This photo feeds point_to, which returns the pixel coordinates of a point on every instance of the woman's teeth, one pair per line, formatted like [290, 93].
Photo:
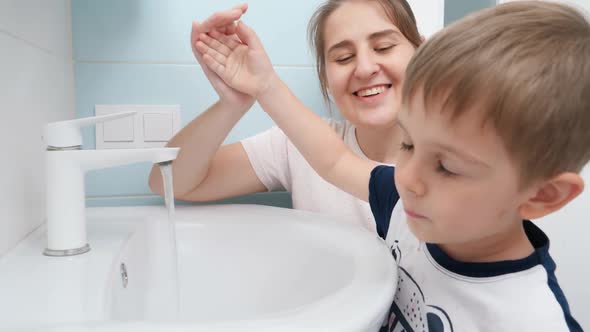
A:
[371, 92]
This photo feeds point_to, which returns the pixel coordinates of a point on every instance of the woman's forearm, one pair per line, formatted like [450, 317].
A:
[198, 143]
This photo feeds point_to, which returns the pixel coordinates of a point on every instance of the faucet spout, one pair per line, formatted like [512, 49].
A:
[66, 164]
[97, 159]
[66, 217]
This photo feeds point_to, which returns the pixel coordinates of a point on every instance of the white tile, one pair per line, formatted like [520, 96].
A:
[35, 88]
[46, 24]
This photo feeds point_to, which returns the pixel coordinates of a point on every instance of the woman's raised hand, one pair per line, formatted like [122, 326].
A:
[223, 23]
[242, 63]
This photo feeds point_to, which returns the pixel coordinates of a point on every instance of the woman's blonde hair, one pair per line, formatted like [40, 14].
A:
[399, 12]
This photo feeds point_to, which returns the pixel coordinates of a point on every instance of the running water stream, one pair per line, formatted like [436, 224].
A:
[166, 300]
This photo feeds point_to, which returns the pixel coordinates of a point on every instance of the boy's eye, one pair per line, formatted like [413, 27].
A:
[443, 170]
[406, 147]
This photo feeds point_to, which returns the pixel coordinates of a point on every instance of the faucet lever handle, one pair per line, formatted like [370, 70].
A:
[63, 134]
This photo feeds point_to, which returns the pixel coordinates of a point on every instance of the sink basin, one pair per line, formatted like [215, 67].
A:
[246, 267]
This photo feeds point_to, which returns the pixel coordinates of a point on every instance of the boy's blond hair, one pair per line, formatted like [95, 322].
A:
[525, 66]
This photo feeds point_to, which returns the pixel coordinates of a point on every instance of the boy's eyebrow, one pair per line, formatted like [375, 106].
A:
[465, 156]
[374, 35]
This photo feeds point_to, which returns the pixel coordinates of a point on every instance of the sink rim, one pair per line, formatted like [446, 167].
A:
[135, 213]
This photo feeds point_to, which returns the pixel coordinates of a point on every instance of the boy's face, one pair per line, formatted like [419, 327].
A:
[456, 180]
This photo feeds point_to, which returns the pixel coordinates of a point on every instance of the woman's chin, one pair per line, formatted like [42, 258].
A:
[376, 118]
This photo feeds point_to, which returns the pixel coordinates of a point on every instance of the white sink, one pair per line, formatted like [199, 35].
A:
[240, 267]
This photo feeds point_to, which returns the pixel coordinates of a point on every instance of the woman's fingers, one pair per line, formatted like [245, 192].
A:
[228, 41]
[230, 29]
[195, 32]
[206, 50]
[214, 44]
[224, 19]
[243, 7]
[214, 66]
[248, 36]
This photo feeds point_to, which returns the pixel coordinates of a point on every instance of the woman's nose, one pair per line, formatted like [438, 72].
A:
[366, 65]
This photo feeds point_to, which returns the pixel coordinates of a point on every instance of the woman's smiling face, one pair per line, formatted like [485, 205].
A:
[366, 58]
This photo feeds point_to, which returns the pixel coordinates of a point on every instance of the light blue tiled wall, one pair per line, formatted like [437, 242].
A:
[138, 52]
[455, 9]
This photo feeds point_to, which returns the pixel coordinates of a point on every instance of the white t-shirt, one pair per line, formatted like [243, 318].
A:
[280, 166]
[436, 293]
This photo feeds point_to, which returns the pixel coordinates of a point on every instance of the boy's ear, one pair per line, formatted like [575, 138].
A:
[552, 195]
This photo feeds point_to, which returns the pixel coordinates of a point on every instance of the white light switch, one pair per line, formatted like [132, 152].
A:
[120, 130]
[158, 127]
[152, 126]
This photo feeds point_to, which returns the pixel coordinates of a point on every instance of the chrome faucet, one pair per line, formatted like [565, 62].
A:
[66, 164]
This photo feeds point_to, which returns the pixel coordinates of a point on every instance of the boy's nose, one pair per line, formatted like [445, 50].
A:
[408, 179]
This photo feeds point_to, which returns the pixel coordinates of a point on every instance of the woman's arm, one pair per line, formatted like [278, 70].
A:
[204, 170]
[244, 65]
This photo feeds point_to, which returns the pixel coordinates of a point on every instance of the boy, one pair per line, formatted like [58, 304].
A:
[495, 128]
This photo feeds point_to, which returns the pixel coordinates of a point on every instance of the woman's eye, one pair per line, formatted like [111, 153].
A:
[406, 147]
[344, 59]
[384, 48]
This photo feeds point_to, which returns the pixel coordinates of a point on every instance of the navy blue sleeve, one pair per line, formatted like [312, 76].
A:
[383, 196]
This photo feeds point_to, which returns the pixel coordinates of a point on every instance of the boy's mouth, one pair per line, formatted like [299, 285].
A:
[372, 91]
[413, 214]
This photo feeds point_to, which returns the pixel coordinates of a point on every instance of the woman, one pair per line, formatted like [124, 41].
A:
[362, 49]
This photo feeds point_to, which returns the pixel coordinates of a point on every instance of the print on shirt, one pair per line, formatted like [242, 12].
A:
[409, 311]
